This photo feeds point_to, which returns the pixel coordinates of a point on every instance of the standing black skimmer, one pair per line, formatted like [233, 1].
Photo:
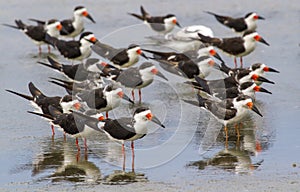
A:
[74, 50]
[74, 26]
[160, 24]
[235, 46]
[70, 123]
[75, 72]
[256, 68]
[41, 102]
[227, 111]
[38, 33]
[138, 77]
[125, 128]
[247, 88]
[103, 99]
[121, 57]
[241, 24]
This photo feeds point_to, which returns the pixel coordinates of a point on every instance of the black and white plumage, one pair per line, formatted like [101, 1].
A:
[37, 33]
[160, 24]
[70, 123]
[41, 102]
[74, 50]
[75, 25]
[103, 99]
[246, 88]
[256, 70]
[235, 46]
[125, 128]
[138, 77]
[241, 24]
[227, 111]
[121, 57]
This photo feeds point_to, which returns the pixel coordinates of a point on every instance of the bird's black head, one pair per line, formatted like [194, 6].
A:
[84, 34]
[146, 65]
[78, 7]
[131, 46]
[140, 109]
[51, 21]
[255, 66]
[170, 15]
[67, 98]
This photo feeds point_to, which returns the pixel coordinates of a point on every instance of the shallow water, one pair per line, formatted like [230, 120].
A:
[265, 158]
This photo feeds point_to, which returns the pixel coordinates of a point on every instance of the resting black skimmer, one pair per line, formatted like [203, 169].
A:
[103, 99]
[41, 102]
[37, 33]
[124, 128]
[228, 111]
[160, 24]
[75, 25]
[70, 123]
[241, 24]
[138, 77]
[74, 50]
[121, 57]
[235, 46]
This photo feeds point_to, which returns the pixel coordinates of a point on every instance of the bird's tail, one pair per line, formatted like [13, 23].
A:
[42, 115]
[35, 92]
[39, 22]
[53, 64]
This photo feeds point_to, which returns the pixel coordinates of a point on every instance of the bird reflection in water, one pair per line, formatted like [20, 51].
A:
[61, 162]
[237, 155]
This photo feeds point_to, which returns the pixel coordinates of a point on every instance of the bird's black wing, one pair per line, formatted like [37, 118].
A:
[130, 77]
[232, 46]
[121, 128]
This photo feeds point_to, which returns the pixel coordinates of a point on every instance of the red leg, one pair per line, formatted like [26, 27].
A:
[85, 145]
[49, 49]
[78, 156]
[106, 114]
[123, 153]
[235, 65]
[132, 151]
[53, 133]
[241, 61]
[132, 93]
[78, 148]
[140, 96]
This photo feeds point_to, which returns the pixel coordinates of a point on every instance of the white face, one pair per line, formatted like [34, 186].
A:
[251, 22]
[67, 106]
[53, 29]
[142, 116]
[170, 24]
[113, 97]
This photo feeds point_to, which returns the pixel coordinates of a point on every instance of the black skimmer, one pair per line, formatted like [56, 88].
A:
[183, 40]
[160, 24]
[121, 57]
[103, 99]
[228, 82]
[125, 128]
[38, 33]
[201, 66]
[241, 24]
[256, 68]
[74, 26]
[138, 77]
[235, 46]
[74, 50]
[41, 102]
[70, 123]
[227, 111]
[247, 88]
